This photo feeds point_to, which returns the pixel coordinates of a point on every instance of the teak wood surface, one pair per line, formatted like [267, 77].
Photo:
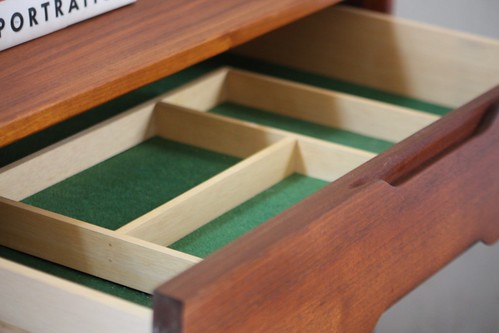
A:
[337, 260]
[57, 76]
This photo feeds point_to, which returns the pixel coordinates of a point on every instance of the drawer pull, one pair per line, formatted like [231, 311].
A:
[453, 131]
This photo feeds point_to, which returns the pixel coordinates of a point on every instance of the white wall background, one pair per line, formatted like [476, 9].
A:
[464, 297]
[474, 16]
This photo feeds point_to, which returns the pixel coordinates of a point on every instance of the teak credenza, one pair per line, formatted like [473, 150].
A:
[280, 110]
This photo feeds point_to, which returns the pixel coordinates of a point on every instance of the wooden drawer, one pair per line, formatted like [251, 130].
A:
[265, 274]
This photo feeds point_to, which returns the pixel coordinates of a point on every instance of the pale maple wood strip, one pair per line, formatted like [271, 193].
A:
[325, 107]
[321, 106]
[76, 153]
[88, 248]
[400, 56]
[325, 160]
[201, 94]
[37, 302]
[191, 210]
[317, 158]
[314, 157]
[208, 131]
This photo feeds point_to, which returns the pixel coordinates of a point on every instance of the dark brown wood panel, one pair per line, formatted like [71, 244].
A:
[384, 6]
[50, 79]
[337, 260]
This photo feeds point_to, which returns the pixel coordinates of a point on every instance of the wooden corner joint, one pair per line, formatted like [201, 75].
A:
[338, 259]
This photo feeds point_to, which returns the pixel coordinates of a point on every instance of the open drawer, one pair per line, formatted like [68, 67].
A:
[236, 141]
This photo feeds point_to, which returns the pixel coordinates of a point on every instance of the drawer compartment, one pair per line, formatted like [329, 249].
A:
[130, 187]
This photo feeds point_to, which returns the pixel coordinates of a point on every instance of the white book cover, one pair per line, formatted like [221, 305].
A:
[23, 20]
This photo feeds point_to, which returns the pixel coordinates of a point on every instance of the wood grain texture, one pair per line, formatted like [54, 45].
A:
[77, 153]
[174, 220]
[325, 160]
[363, 242]
[60, 75]
[88, 248]
[222, 135]
[301, 101]
[325, 107]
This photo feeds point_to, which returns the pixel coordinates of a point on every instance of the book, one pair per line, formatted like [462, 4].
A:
[24, 20]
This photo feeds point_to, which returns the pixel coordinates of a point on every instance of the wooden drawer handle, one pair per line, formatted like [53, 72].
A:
[367, 239]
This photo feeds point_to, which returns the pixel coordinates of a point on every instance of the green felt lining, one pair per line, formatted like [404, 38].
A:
[248, 215]
[301, 126]
[317, 80]
[132, 183]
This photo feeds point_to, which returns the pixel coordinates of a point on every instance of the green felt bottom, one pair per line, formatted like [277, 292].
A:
[248, 215]
[303, 127]
[132, 183]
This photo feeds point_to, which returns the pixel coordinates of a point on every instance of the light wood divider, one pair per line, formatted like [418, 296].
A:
[327, 161]
[67, 307]
[211, 132]
[321, 106]
[395, 55]
[191, 210]
[77, 153]
[201, 94]
[325, 107]
[88, 248]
